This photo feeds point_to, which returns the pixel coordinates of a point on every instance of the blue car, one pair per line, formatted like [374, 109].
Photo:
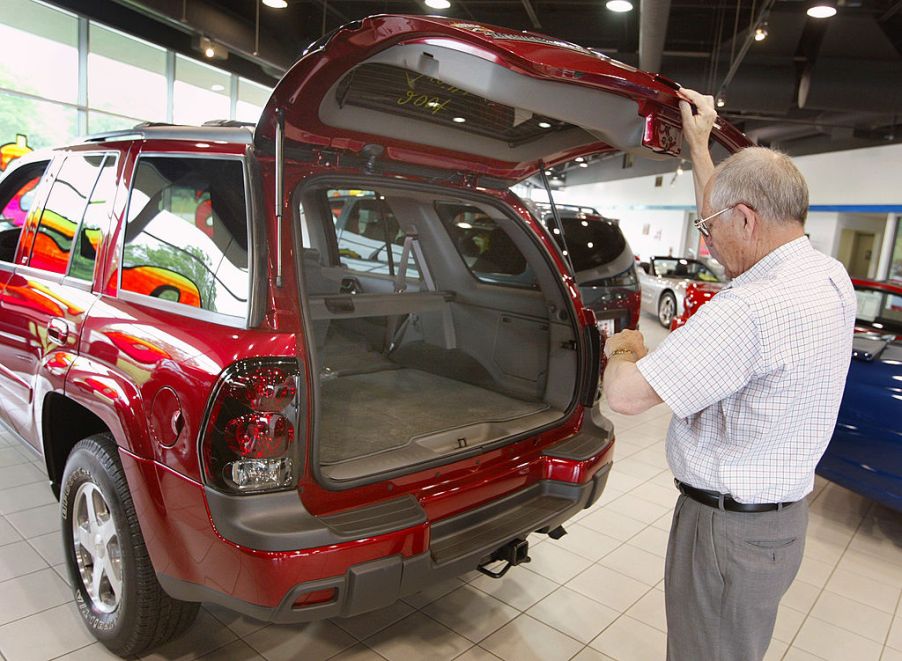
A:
[865, 453]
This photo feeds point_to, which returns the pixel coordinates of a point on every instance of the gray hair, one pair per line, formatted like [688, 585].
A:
[764, 179]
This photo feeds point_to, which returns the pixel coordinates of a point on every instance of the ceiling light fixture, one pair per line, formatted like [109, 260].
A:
[210, 49]
[583, 165]
[761, 32]
[822, 9]
[619, 6]
[437, 4]
[544, 125]
[276, 4]
[459, 120]
[216, 87]
[721, 101]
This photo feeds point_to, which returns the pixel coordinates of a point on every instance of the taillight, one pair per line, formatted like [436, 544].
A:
[250, 437]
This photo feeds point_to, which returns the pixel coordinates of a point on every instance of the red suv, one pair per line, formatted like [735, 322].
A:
[274, 370]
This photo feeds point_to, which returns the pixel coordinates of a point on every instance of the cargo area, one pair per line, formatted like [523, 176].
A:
[439, 326]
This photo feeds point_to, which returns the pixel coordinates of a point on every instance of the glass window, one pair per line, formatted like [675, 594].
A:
[591, 241]
[895, 267]
[101, 122]
[201, 92]
[880, 309]
[16, 197]
[684, 268]
[370, 240]
[488, 251]
[126, 75]
[186, 239]
[42, 123]
[95, 220]
[63, 212]
[251, 100]
[40, 45]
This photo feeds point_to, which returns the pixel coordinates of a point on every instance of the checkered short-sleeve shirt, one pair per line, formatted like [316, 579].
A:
[756, 376]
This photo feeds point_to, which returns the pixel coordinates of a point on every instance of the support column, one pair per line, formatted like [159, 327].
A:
[886, 250]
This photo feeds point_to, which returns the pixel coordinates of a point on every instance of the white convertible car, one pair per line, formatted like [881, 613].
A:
[663, 281]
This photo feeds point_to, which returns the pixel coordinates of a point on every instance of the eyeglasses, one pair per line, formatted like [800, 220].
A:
[701, 224]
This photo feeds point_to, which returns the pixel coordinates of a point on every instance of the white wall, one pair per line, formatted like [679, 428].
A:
[823, 230]
[854, 177]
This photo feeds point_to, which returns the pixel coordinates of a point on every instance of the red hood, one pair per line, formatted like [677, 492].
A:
[399, 82]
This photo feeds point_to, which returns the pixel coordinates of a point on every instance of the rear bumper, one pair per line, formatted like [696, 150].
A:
[459, 544]
[269, 558]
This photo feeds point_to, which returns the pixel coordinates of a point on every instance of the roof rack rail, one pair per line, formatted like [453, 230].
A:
[229, 123]
[238, 132]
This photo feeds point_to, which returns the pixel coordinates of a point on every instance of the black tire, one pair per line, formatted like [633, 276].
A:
[125, 608]
[666, 308]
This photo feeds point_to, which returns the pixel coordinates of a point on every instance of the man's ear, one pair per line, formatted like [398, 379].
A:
[750, 221]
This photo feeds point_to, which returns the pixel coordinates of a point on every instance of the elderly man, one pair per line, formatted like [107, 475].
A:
[755, 380]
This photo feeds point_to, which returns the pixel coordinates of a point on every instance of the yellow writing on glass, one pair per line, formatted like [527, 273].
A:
[427, 102]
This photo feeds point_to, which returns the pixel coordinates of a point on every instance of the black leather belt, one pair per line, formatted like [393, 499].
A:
[725, 501]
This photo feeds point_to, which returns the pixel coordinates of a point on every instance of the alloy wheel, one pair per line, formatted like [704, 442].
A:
[97, 550]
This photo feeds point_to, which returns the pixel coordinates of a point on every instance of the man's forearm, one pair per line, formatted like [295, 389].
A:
[626, 389]
[702, 171]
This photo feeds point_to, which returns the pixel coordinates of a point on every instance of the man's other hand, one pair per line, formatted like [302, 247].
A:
[697, 128]
[629, 340]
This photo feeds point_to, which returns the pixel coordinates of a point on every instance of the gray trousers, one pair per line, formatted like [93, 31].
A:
[724, 577]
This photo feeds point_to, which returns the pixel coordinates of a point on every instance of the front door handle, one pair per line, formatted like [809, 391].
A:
[58, 331]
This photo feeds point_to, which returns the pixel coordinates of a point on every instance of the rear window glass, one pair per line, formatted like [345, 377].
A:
[591, 241]
[63, 212]
[400, 91]
[187, 238]
[487, 250]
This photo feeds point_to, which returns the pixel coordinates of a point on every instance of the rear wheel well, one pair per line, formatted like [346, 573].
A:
[65, 423]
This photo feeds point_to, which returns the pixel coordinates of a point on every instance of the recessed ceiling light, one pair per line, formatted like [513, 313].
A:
[822, 9]
[761, 32]
[583, 165]
[619, 6]
[437, 4]
[459, 120]
[721, 102]
[544, 125]
[276, 4]
[209, 52]
[579, 159]
[217, 87]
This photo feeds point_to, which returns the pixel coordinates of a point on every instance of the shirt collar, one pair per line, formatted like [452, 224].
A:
[772, 260]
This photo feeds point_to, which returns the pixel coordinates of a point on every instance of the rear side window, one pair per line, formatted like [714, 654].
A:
[487, 250]
[370, 239]
[87, 240]
[63, 212]
[592, 242]
[16, 197]
[187, 238]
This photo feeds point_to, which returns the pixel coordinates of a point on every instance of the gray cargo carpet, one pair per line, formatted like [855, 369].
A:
[363, 414]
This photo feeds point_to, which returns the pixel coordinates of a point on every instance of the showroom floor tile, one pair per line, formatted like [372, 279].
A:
[594, 595]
